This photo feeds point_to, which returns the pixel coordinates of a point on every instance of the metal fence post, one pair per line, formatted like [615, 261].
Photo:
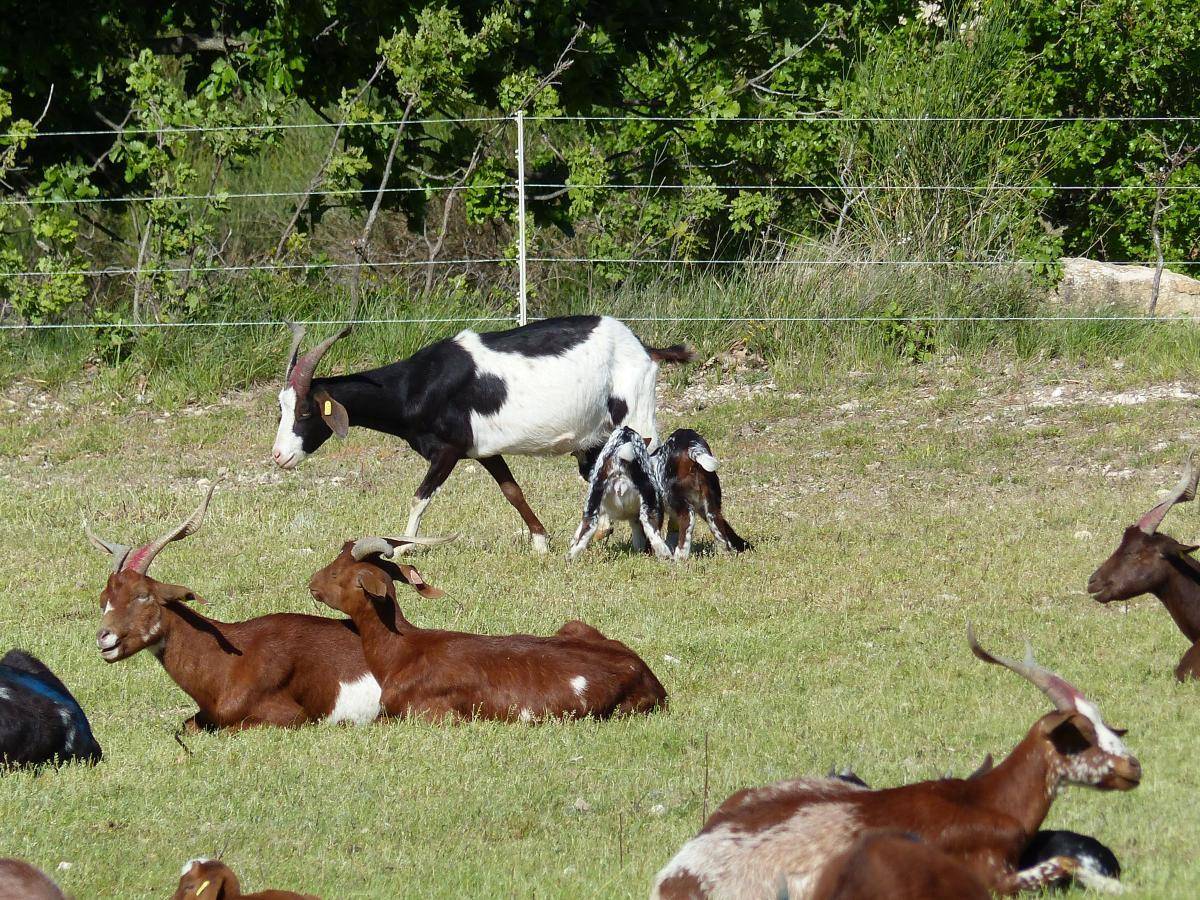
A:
[522, 310]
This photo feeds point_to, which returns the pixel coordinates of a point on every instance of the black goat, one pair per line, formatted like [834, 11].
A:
[40, 721]
[556, 386]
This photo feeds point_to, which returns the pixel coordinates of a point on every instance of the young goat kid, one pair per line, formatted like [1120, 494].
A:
[211, 879]
[279, 669]
[1147, 562]
[544, 389]
[678, 481]
[451, 674]
[793, 829]
[40, 721]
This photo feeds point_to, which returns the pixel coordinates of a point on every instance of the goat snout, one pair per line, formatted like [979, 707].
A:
[107, 642]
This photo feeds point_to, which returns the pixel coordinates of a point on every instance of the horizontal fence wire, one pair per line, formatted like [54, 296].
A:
[508, 185]
[148, 272]
[250, 195]
[803, 118]
[813, 320]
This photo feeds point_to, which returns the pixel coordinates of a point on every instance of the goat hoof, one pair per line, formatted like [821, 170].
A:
[541, 544]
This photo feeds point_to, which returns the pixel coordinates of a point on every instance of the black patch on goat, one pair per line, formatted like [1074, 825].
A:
[1092, 854]
[618, 409]
[419, 387]
[550, 337]
[40, 721]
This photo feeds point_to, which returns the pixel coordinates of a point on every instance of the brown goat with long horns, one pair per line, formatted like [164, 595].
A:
[1147, 562]
[452, 674]
[279, 669]
[790, 831]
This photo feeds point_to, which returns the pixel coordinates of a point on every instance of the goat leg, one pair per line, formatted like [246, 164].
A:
[1040, 876]
[583, 536]
[685, 522]
[499, 470]
[441, 464]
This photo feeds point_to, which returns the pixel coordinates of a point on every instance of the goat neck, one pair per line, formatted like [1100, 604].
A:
[1179, 592]
[1023, 786]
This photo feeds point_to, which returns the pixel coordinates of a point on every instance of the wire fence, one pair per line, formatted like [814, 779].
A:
[521, 188]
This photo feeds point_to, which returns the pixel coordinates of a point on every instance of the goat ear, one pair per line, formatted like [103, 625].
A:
[333, 413]
[165, 593]
[419, 584]
[1067, 736]
[375, 583]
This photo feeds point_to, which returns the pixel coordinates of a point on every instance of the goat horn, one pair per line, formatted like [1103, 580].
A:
[1184, 491]
[300, 372]
[118, 552]
[297, 339]
[1062, 693]
[385, 547]
[139, 560]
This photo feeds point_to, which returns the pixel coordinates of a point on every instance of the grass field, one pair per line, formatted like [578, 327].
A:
[888, 508]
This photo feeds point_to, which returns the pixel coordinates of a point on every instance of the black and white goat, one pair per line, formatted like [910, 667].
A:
[552, 387]
[676, 482]
[40, 721]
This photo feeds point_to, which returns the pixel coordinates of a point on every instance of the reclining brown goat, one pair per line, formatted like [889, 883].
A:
[211, 879]
[278, 669]
[1147, 562]
[792, 830]
[452, 674]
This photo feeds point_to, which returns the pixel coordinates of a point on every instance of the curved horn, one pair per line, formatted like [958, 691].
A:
[118, 552]
[387, 546]
[139, 560]
[1184, 491]
[1062, 693]
[300, 373]
[297, 338]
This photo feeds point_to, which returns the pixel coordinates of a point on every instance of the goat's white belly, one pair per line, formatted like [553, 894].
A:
[357, 701]
[621, 503]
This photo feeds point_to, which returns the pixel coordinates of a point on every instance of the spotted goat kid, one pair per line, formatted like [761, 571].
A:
[677, 483]
[279, 669]
[454, 675]
[787, 834]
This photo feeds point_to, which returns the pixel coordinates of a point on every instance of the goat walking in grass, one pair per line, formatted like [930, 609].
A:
[439, 674]
[1147, 562]
[792, 830]
[676, 483]
[552, 387]
[40, 721]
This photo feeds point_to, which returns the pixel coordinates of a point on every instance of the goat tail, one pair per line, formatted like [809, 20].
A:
[676, 353]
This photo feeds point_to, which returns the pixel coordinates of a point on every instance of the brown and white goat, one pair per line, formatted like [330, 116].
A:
[899, 866]
[21, 881]
[279, 669]
[451, 674]
[1147, 562]
[211, 879]
[791, 830]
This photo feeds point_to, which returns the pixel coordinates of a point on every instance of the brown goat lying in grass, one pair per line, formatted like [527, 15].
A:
[517, 677]
[792, 830]
[211, 879]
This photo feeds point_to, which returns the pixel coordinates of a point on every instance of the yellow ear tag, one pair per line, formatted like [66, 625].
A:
[329, 407]
[200, 890]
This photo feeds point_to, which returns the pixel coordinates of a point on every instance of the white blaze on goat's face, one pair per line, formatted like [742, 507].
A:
[288, 451]
[1106, 738]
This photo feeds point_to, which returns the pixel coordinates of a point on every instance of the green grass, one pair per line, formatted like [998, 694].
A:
[888, 506]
